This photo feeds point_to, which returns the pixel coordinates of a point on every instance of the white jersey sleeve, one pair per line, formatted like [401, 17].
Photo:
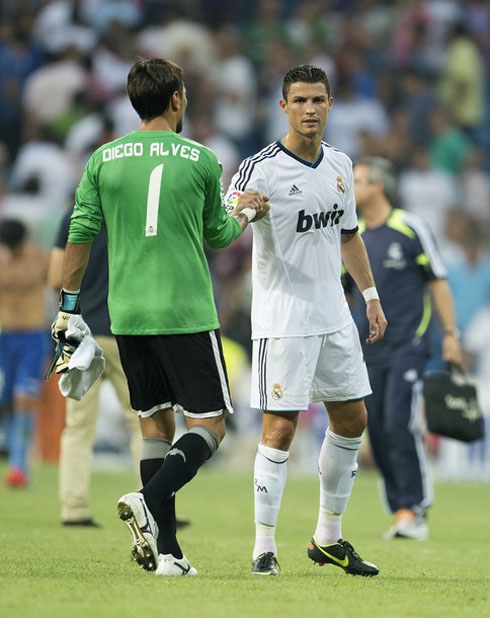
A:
[349, 220]
[248, 176]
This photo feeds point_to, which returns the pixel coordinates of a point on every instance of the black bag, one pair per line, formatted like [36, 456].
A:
[451, 405]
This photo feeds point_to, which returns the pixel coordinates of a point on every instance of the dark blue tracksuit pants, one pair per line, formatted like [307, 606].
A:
[395, 429]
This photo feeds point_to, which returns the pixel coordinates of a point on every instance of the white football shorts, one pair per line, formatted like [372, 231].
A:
[289, 373]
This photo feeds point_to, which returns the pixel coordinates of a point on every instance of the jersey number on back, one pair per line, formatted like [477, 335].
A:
[153, 201]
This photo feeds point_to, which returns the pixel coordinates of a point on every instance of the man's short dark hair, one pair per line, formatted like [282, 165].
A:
[12, 233]
[151, 84]
[304, 73]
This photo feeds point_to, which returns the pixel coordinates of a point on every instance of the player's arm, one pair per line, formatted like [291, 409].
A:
[247, 202]
[221, 229]
[430, 262]
[57, 255]
[444, 307]
[356, 262]
[74, 266]
[55, 268]
[251, 206]
[85, 223]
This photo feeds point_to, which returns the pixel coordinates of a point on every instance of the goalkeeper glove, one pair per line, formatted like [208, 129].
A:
[69, 305]
[61, 357]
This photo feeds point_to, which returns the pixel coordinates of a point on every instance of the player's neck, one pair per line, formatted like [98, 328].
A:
[304, 147]
[161, 123]
[18, 252]
[377, 213]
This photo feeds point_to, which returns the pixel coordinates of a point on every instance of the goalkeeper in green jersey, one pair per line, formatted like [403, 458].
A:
[160, 197]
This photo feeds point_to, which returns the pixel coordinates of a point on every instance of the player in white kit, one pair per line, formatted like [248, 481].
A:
[306, 347]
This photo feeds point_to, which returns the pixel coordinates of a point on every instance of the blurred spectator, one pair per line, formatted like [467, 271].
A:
[455, 228]
[60, 23]
[279, 59]
[112, 59]
[477, 21]
[18, 59]
[470, 280]
[450, 147]
[205, 132]
[427, 192]
[352, 114]
[50, 91]
[45, 159]
[267, 25]
[186, 42]
[477, 343]
[463, 82]
[236, 90]
[309, 26]
[418, 99]
[395, 145]
[476, 188]
[23, 342]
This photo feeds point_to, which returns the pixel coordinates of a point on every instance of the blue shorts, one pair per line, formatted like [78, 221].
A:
[23, 358]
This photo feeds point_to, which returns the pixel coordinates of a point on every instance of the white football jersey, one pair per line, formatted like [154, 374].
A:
[296, 261]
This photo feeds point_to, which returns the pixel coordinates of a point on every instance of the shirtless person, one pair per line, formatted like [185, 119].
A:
[23, 341]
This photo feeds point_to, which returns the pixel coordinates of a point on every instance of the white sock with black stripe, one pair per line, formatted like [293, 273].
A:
[337, 467]
[270, 473]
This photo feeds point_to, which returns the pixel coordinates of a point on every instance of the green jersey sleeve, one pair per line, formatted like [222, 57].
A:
[87, 214]
[219, 228]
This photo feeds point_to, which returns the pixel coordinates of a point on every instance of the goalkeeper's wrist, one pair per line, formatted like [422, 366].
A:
[69, 301]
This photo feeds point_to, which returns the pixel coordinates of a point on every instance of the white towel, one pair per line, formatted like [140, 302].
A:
[86, 364]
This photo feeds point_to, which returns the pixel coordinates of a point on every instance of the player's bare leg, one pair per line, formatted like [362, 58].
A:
[270, 473]
[337, 467]
[19, 436]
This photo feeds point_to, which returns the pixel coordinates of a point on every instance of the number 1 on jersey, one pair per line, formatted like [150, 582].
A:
[153, 201]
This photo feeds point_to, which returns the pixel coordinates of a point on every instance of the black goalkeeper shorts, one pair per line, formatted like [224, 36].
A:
[186, 372]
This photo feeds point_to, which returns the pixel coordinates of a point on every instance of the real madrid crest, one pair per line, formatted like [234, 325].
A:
[277, 391]
[340, 185]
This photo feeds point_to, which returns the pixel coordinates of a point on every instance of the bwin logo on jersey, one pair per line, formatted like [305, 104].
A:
[318, 219]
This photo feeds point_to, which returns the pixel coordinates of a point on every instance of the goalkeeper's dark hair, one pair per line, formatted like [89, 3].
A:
[12, 233]
[151, 84]
[304, 73]
[380, 170]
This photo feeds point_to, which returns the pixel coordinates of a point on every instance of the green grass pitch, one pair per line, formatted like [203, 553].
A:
[47, 571]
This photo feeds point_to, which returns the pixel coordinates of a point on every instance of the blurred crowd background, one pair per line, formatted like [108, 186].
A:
[409, 80]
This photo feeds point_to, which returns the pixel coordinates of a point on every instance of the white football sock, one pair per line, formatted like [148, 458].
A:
[337, 467]
[270, 474]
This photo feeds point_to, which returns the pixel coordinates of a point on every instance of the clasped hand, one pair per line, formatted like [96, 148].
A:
[65, 347]
[256, 201]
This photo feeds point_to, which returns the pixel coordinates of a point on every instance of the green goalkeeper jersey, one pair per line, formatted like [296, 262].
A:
[160, 195]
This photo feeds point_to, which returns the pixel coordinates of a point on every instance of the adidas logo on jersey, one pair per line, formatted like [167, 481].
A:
[294, 191]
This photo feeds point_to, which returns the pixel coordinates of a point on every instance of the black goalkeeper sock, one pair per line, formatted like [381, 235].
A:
[181, 465]
[165, 516]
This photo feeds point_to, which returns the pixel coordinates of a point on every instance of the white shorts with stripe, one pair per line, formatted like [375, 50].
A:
[289, 373]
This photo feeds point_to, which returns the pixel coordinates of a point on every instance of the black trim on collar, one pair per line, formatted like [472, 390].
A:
[303, 161]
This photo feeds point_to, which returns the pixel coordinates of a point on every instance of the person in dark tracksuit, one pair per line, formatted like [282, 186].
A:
[410, 278]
